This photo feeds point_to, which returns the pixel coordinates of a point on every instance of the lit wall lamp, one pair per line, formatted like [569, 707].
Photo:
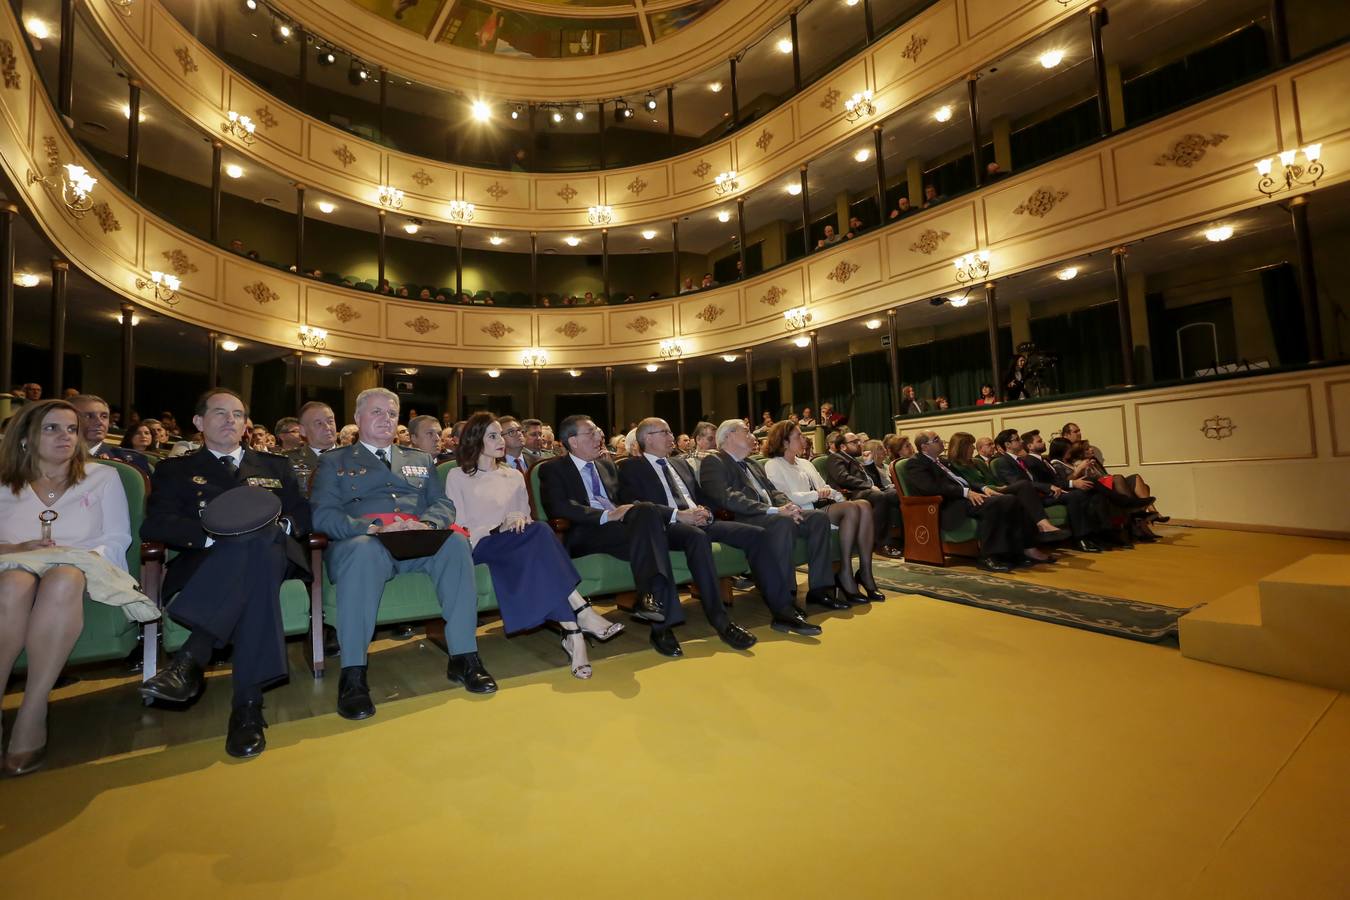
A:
[672, 348]
[1292, 172]
[390, 197]
[165, 287]
[461, 212]
[534, 358]
[76, 187]
[600, 215]
[796, 318]
[859, 106]
[312, 338]
[972, 267]
[238, 126]
[726, 183]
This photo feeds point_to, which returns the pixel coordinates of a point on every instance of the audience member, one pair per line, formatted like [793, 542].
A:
[987, 396]
[683, 444]
[1012, 465]
[533, 430]
[903, 208]
[931, 197]
[845, 472]
[687, 286]
[139, 438]
[93, 413]
[402, 437]
[941, 402]
[1134, 484]
[1014, 384]
[962, 460]
[829, 418]
[807, 420]
[765, 423]
[289, 435]
[425, 433]
[347, 435]
[994, 172]
[911, 405]
[855, 227]
[707, 282]
[830, 238]
[513, 439]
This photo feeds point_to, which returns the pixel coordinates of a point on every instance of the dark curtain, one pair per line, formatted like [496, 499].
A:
[1057, 135]
[835, 387]
[273, 392]
[1087, 342]
[1230, 61]
[871, 411]
[953, 368]
[1284, 308]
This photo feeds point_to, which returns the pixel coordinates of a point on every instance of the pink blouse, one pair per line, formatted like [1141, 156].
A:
[91, 515]
[484, 499]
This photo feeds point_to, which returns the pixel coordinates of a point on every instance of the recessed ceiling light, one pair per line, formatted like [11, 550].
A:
[234, 171]
[795, 188]
[802, 341]
[959, 302]
[784, 45]
[651, 367]
[723, 216]
[729, 357]
[135, 319]
[943, 114]
[1067, 274]
[229, 346]
[715, 87]
[37, 28]
[493, 373]
[481, 111]
[571, 241]
[863, 155]
[411, 227]
[126, 113]
[648, 234]
[27, 279]
[575, 373]
[873, 324]
[496, 240]
[1221, 233]
[325, 207]
[1051, 58]
[323, 361]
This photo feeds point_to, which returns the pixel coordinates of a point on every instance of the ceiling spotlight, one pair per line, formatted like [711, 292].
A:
[412, 226]
[579, 114]
[651, 367]
[729, 357]
[622, 110]
[135, 319]
[723, 216]
[1221, 233]
[795, 188]
[323, 362]
[850, 2]
[650, 102]
[326, 57]
[493, 373]
[27, 279]
[234, 171]
[959, 302]
[325, 207]
[250, 6]
[784, 45]
[1067, 274]
[556, 118]
[281, 32]
[802, 341]
[229, 346]
[496, 240]
[358, 74]
[571, 240]
[873, 324]
[863, 155]
[1051, 58]
[715, 87]
[943, 114]
[575, 373]
[516, 111]
[648, 234]
[37, 28]
[481, 111]
[126, 113]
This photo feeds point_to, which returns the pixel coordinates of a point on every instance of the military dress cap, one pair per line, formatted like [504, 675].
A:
[240, 512]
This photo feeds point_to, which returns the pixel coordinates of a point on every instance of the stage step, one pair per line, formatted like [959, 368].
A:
[1295, 623]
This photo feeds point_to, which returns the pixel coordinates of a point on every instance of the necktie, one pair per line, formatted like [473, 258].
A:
[1022, 465]
[754, 482]
[598, 498]
[670, 482]
[384, 458]
[952, 475]
[230, 468]
[520, 465]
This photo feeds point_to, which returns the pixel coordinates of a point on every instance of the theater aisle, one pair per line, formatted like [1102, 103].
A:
[919, 749]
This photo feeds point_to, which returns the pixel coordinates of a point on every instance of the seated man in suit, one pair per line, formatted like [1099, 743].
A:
[911, 405]
[846, 474]
[94, 426]
[1011, 466]
[668, 481]
[374, 477]
[229, 591]
[1097, 508]
[733, 482]
[1006, 532]
[583, 488]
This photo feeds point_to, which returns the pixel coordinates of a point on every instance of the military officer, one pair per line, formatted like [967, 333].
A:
[227, 592]
[94, 426]
[374, 476]
[318, 427]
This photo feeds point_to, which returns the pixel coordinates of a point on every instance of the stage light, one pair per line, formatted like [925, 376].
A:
[1051, 58]
[496, 240]
[715, 87]
[723, 216]
[281, 32]
[515, 112]
[1067, 274]
[1221, 233]
[863, 155]
[481, 111]
[580, 114]
[873, 324]
[622, 110]
[650, 102]
[229, 346]
[358, 74]
[250, 6]
[325, 57]
[556, 118]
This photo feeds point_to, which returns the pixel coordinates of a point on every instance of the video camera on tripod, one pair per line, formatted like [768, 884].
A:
[1039, 373]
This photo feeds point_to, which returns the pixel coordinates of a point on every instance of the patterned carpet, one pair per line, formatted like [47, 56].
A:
[1131, 619]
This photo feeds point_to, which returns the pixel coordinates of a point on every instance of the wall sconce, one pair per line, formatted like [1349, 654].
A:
[76, 187]
[461, 212]
[671, 348]
[600, 215]
[165, 287]
[726, 183]
[972, 267]
[240, 127]
[859, 106]
[312, 338]
[323, 362]
[390, 197]
[1292, 173]
[534, 358]
[796, 318]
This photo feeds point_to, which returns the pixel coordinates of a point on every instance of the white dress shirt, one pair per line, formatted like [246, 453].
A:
[689, 503]
[798, 479]
[581, 465]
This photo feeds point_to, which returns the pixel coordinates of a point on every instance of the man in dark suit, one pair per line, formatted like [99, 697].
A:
[94, 426]
[667, 481]
[846, 474]
[1012, 466]
[910, 405]
[733, 482]
[227, 591]
[1006, 533]
[583, 488]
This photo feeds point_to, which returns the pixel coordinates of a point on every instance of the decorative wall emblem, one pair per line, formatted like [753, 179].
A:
[922, 536]
[567, 194]
[702, 169]
[637, 186]
[1040, 203]
[264, 117]
[1216, 428]
[343, 313]
[53, 151]
[497, 330]
[929, 241]
[345, 156]
[261, 293]
[915, 46]
[570, 329]
[710, 313]
[843, 272]
[422, 177]
[9, 66]
[179, 262]
[830, 99]
[421, 325]
[641, 324]
[765, 139]
[773, 296]
[107, 222]
[185, 60]
[497, 191]
[1190, 150]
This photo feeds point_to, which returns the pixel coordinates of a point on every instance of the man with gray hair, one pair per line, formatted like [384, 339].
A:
[93, 412]
[373, 487]
[734, 482]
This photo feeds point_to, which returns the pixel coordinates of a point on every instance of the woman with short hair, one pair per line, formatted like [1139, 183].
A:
[140, 438]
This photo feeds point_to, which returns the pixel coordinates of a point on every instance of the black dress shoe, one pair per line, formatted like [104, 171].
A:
[1053, 537]
[402, 632]
[354, 694]
[467, 669]
[178, 682]
[793, 621]
[245, 738]
[872, 594]
[736, 637]
[989, 564]
[1087, 546]
[825, 597]
[647, 609]
[331, 647]
[888, 551]
[665, 643]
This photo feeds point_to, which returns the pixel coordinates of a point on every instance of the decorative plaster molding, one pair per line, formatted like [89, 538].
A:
[421, 325]
[710, 313]
[185, 60]
[570, 329]
[1190, 150]
[261, 293]
[843, 272]
[9, 66]
[497, 330]
[343, 312]
[642, 324]
[1041, 202]
[915, 46]
[929, 241]
[179, 262]
[773, 296]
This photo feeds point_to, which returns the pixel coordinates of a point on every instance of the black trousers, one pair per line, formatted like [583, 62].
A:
[640, 540]
[1087, 511]
[234, 596]
[1003, 526]
[765, 544]
[696, 544]
[814, 528]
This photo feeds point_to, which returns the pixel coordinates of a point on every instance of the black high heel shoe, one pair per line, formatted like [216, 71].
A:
[613, 629]
[871, 593]
[582, 671]
[849, 596]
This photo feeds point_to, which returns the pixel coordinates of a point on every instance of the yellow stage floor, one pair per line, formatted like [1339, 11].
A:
[918, 749]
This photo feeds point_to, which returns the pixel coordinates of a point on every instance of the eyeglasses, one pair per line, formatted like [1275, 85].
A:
[511, 431]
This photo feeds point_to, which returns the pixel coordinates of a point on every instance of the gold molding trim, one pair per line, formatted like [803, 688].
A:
[107, 222]
[9, 67]
[642, 324]
[570, 329]
[421, 325]
[915, 46]
[929, 241]
[1041, 202]
[843, 272]
[773, 296]
[710, 313]
[343, 312]
[185, 60]
[1190, 150]
[261, 293]
[179, 262]
[496, 330]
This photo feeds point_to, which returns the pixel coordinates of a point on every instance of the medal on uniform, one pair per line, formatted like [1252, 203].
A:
[47, 517]
[199, 479]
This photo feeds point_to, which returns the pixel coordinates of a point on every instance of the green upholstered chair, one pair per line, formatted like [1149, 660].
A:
[822, 466]
[925, 539]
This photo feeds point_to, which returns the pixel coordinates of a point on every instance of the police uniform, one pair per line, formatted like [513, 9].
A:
[104, 450]
[229, 590]
[352, 483]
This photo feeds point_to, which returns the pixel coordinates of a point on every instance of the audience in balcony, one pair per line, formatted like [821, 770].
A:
[902, 208]
[855, 228]
[931, 197]
[687, 286]
[910, 404]
[1014, 383]
[987, 396]
[830, 238]
[940, 402]
[806, 420]
[829, 418]
[994, 172]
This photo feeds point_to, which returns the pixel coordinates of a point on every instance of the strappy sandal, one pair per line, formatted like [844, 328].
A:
[613, 629]
[582, 671]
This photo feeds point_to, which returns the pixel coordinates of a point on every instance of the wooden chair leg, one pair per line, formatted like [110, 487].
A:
[725, 585]
[626, 600]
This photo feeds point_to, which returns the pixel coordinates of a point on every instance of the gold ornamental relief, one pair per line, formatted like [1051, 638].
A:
[843, 272]
[570, 329]
[773, 296]
[344, 155]
[107, 222]
[422, 177]
[929, 241]
[765, 139]
[1041, 202]
[1190, 150]
[710, 313]
[53, 151]
[421, 325]
[637, 186]
[642, 324]
[185, 60]
[915, 46]
[179, 262]
[497, 191]
[266, 118]
[9, 67]
[702, 169]
[1216, 428]
[261, 293]
[343, 313]
[497, 330]
[567, 194]
[831, 99]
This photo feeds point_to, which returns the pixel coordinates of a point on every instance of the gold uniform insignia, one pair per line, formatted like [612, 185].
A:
[199, 479]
